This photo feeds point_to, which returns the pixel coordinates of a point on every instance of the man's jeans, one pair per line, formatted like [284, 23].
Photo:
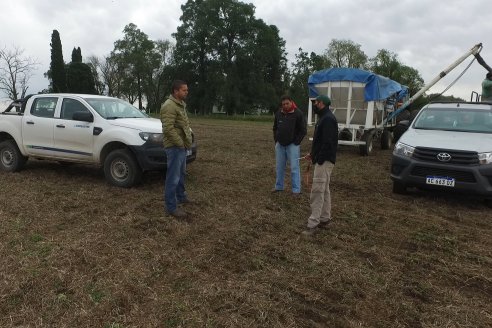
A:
[174, 186]
[283, 154]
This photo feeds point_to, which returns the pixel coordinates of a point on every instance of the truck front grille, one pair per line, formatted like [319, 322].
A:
[462, 176]
[457, 157]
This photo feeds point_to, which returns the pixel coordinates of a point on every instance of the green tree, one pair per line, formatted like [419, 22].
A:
[387, 64]
[305, 65]
[79, 75]
[229, 58]
[345, 53]
[157, 83]
[80, 79]
[135, 57]
[76, 55]
[57, 74]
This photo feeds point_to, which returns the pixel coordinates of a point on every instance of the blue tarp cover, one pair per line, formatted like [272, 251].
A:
[377, 87]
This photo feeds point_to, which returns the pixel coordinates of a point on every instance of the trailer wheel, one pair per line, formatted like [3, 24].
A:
[399, 188]
[121, 169]
[11, 159]
[398, 131]
[368, 137]
[386, 139]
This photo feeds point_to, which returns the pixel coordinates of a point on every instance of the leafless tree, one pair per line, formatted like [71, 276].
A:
[108, 75]
[95, 64]
[15, 72]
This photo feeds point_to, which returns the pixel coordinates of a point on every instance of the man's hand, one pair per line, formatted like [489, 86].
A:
[308, 157]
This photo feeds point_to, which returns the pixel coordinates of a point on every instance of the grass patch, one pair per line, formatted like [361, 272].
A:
[83, 253]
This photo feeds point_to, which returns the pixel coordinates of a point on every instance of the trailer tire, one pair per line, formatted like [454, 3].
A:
[386, 139]
[398, 131]
[121, 169]
[11, 159]
[368, 137]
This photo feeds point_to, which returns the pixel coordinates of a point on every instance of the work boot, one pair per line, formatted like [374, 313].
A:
[187, 201]
[179, 214]
[310, 231]
[324, 224]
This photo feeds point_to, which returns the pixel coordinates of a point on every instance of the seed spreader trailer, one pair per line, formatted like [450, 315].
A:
[361, 101]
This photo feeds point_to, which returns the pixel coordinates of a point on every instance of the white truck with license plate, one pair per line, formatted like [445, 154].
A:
[87, 129]
[447, 147]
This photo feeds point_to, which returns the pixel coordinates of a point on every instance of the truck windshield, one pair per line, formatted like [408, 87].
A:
[452, 119]
[112, 108]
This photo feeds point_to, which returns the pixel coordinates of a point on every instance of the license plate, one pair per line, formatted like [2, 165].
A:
[188, 152]
[440, 181]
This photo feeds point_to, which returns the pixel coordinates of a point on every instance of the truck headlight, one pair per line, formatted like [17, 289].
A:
[403, 150]
[485, 158]
[151, 137]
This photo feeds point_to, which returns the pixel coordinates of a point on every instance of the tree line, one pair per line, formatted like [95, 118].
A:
[232, 61]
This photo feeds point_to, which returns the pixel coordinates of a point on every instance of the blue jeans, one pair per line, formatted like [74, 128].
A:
[174, 188]
[290, 153]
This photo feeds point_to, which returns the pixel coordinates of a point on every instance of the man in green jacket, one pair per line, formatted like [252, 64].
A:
[177, 140]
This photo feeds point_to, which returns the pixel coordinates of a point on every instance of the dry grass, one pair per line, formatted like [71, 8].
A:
[77, 252]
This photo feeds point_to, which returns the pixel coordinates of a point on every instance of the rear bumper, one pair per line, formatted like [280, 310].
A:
[152, 157]
[476, 179]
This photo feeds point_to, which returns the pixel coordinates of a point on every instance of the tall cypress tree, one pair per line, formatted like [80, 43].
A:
[76, 55]
[79, 75]
[57, 67]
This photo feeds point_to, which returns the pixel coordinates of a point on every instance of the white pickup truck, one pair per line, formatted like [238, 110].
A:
[88, 129]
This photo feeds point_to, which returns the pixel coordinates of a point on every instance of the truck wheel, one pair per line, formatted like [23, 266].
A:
[11, 159]
[386, 139]
[121, 169]
[399, 188]
[366, 149]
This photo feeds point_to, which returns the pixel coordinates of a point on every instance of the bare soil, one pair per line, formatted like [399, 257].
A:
[75, 251]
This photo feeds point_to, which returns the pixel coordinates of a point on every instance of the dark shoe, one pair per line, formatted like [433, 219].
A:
[310, 231]
[276, 190]
[324, 224]
[296, 194]
[179, 214]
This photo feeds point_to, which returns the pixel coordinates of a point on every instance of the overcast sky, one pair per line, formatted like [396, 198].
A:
[426, 35]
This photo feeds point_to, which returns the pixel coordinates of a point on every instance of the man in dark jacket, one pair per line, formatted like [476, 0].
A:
[289, 129]
[323, 155]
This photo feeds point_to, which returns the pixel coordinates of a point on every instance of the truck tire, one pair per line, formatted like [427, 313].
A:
[11, 159]
[399, 188]
[386, 139]
[121, 169]
[368, 137]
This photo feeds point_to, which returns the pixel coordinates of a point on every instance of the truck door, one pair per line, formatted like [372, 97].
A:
[73, 139]
[37, 127]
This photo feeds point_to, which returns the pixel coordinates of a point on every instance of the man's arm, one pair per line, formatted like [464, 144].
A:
[301, 128]
[275, 126]
[168, 119]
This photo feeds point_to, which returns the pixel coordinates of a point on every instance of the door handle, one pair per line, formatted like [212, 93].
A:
[29, 122]
[60, 126]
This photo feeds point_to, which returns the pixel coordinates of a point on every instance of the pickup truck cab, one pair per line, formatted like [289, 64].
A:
[447, 147]
[88, 129]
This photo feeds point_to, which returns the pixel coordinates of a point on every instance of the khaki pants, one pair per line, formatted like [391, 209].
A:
[320, 194]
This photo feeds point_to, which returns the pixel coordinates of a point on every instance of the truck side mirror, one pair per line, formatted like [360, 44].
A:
[83, 116]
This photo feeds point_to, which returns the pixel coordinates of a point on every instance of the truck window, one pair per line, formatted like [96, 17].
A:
[69, 107]
[44, 107]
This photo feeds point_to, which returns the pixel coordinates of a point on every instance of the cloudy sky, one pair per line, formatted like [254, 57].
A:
[426, 35]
